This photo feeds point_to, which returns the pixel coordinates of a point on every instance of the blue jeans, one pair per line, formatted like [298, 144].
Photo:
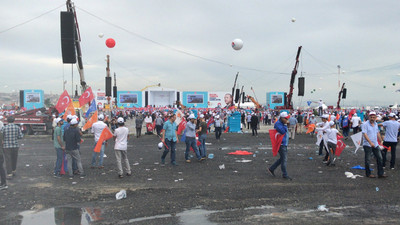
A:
[101, 153]
[379, 161]
[191, 142]
[59, 160]
[171, 147]
[281, 161]
[202, 139]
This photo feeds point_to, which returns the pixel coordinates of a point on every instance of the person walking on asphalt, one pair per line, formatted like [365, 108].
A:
[371, 134]
[72, 138]
[218, 126]
[138, 125]
[11, 134]
[3, 184]
[170, 138]
[121, 136]
[190, 140]
[281, 127]
[254, 123]
[202, 136]
[390, 140]
[97, 128]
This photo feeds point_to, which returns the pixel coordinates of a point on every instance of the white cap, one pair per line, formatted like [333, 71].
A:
[372, 113]
[331, 123]
[58, 120]
[392, 115]
[191, 116]
[120, 120]
[217, 116]
[201, 115]
[100, 117]
[284, 115]
[69, 117]
[325, 116]
[74, 121]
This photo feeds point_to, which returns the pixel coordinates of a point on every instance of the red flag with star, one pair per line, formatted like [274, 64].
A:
[86, 97]
[276, 141]
[63, 101]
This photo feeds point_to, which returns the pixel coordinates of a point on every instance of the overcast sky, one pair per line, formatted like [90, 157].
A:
[186, 45]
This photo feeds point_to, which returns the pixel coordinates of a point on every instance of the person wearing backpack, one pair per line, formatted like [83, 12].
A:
[345, 126]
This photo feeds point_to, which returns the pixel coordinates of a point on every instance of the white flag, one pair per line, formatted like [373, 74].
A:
[319, 137]
[325, 139]
[179, 116]
[356, 138]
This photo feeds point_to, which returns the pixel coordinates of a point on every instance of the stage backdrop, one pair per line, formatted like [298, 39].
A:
[129, 99]
[193, 99]
[275, 99]
[33, 99]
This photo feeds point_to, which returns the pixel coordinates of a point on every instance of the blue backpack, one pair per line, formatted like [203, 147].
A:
[345, 122]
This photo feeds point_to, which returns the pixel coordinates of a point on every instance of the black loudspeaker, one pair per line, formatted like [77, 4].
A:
[243, 94]
[68, 37]
[115, 91]
[108, 86]
[344, 93]
[237, 95]
[177, 96]
[21, 98]
[284, 99]
[301, 86]
[146, 98]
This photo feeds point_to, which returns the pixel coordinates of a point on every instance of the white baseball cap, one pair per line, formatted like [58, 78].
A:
[372, 113]
[191, 116]
[69, 117]
[392, 115]
[120, 120]
[58, 120]
[74, 121]
[201, 115]
[100, 117]
[284, 115]
[331, 123]
[325, 116]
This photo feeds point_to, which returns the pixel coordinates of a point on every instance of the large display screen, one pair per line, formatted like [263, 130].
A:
[195, 99]
[128, 98]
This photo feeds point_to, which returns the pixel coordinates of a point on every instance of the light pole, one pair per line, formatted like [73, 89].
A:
[338, 66]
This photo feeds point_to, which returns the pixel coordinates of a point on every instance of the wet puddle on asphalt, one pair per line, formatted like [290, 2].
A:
[57, 215]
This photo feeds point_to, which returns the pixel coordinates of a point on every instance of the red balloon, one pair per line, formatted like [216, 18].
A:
[110, 43]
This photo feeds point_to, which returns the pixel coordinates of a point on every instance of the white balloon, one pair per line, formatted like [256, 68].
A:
[237, 44]
[160, 145]
[293, 19]
[101, 35]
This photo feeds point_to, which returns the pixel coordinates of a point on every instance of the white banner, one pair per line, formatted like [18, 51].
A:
[319, 137]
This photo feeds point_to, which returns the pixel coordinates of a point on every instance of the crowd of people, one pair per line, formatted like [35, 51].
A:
[196, 124]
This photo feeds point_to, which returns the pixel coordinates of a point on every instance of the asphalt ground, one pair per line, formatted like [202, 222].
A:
[200, 192]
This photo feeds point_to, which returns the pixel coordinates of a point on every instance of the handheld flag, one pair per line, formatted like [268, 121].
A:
[104, 136]
[92, 108]
[86, 97]
[319, 137]
[310, 128]
[226, 130]
[90, 122]
[276, 141]
[339, 147]
[356, 138]
[181, 126]
[210, 121]
[69, 111]
[63, 101]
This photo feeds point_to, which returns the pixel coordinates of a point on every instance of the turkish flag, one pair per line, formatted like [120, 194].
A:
[339, 147]
[90, 122]
[86, 97]
[226, 130]
[104, 136]
[182, 126]
[63, 101]
[276, 141]
[352, 112]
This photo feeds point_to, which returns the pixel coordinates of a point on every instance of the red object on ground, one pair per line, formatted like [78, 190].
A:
[238, 152]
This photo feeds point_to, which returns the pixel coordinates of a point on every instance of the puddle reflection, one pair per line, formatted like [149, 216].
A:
[57, 216]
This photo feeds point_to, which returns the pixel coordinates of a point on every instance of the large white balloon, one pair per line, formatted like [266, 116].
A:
[101, 35]
[237, 44]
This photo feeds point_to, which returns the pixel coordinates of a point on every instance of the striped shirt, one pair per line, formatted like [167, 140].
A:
[11, 134]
